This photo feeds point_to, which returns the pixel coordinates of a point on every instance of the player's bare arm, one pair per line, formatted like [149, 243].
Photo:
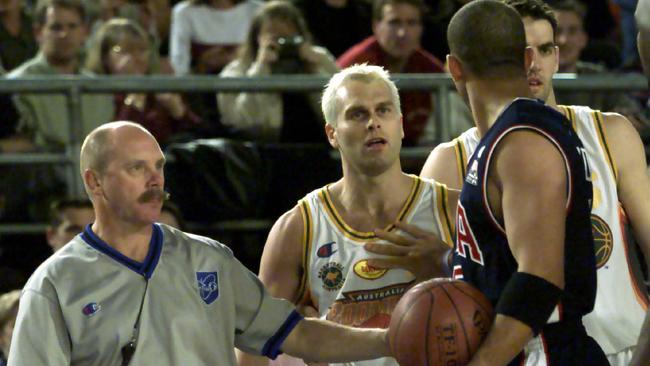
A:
[442, 167]
[632, 183]
[325, 341]
[280, 267]
[281, 264]
[527, 188]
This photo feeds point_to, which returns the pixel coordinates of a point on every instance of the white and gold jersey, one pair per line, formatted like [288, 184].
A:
[338, 279]
[621, 301]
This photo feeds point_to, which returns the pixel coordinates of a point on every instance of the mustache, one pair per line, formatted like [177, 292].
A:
[154, 194]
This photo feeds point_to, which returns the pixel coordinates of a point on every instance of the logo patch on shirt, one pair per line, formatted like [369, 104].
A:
[363, 270]
[208, 283]
[91, 309]
[472, 175]
[326, 250]
[332, 276]
[603, 240]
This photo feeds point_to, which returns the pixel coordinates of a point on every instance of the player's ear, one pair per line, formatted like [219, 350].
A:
[529, 55]
[455, 68]
[330, 131]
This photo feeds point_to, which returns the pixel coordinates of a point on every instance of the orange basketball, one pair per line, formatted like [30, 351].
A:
[439, 322]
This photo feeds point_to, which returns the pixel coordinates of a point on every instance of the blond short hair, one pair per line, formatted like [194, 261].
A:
[330, 103]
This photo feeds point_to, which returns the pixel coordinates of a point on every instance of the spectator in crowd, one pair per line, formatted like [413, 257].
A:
[571, 38]
[325, 17]
[642, 17]
[17, 43]
[395, 45]
[45, 119]
[629, 55]
[122, 47]
[153, 15]
[8, 312]
[205, 34]
[278, 43]
[68, 217]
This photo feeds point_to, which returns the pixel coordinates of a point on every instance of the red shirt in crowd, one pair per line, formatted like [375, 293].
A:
[416, 106]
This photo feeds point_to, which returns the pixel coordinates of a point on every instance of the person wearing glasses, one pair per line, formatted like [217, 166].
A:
[122, 47]
[131, 291]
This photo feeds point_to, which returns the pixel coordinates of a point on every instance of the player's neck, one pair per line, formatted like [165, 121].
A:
[128, 239]
[373, 195]
[488, 98]
[550, 101]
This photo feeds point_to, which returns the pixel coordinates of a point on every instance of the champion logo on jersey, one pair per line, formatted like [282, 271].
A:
[208, 283]
[91, 309]
[472, 176]
[326, 250]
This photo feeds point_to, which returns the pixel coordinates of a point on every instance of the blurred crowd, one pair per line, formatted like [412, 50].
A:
[241, 38]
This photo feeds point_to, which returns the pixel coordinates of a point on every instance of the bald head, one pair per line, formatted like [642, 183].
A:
[488, 37]
[97, 148]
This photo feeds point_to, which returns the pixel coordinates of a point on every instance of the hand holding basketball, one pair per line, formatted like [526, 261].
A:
[439, 322]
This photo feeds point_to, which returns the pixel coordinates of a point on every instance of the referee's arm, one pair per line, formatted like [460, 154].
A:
[40, 336]
[324, 341]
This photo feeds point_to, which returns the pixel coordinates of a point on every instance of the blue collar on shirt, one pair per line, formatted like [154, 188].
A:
[145, 268]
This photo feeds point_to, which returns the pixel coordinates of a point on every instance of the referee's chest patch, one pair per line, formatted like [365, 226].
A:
[208, 284]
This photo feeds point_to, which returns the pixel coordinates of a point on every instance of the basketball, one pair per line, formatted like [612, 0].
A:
[439, 322]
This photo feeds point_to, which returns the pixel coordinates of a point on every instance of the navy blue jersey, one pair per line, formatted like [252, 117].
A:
[482, 255]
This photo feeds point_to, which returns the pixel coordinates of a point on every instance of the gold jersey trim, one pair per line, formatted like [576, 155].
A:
[598, 121]
[570, 114]
[443, 212]
[361, 236]
[307, 235]
[461, 159]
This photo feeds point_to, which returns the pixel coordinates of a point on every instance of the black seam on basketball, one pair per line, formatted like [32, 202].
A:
[399, 324]
[426, 338]
[476, 301]
[460, 320]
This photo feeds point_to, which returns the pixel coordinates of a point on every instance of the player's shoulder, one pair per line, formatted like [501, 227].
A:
[441, 164]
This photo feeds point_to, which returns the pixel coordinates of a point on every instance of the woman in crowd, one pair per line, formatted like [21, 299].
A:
[123, 48]
[206, 33]
[278, 43]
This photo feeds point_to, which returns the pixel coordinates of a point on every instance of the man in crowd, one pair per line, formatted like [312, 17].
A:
[395, 45]
[45, 119]
[68, 217]
[571, 38]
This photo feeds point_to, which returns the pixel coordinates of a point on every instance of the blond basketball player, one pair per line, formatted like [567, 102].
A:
[621, 191]
[315, 254]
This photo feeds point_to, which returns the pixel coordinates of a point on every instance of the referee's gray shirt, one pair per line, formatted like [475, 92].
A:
[80, 306]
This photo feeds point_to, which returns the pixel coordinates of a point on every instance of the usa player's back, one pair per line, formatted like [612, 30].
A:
[482, 255]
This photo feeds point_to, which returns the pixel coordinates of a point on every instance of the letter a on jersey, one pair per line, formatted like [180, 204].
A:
[208, 284]
[465, 240]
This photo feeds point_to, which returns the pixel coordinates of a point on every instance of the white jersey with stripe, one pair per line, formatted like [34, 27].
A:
[621, 301]
[338, 279]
